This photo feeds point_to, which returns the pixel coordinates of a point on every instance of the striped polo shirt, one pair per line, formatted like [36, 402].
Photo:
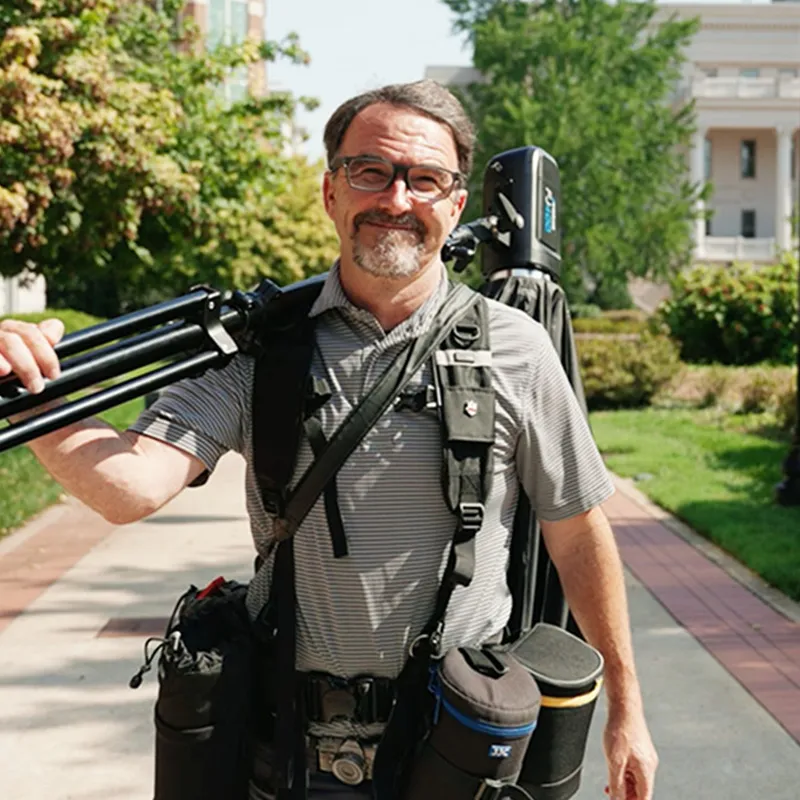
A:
[358, 614]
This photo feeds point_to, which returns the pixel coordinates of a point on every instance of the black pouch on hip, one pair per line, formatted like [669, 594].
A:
[203, 712]
[568, 672]
[485, 709]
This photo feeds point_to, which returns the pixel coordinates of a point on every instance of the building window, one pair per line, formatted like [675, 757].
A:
[793, 159]
[749, 72]
[708, 226]
[749, 223]
[748, 158]
[227, 25]
[707, 158]
[787, 72]
[227, 22]
[710, 72]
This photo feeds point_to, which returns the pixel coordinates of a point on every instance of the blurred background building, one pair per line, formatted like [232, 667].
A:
[743, 73]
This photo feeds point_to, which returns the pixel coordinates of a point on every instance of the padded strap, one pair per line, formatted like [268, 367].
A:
[364, 416]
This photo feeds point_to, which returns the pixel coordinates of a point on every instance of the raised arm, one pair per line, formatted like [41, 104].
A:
[120, 474]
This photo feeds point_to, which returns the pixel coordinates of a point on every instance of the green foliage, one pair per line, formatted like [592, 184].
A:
[590, 82]
[585, 311]
[73, 320]
[607, 325]
[618, 373]
[735, 315]
[123, 170]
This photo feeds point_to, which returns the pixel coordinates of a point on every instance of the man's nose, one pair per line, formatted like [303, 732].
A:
[397, 197]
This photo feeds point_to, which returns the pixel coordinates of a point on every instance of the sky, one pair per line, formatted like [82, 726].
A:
[357, 45]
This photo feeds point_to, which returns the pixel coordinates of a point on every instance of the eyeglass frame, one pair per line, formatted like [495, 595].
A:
[397, 169]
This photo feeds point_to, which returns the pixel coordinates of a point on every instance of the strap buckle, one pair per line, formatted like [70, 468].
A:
[470, 517]
[416, 400]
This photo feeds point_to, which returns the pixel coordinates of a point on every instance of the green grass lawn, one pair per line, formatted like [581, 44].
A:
[719, 479]
[25, 487]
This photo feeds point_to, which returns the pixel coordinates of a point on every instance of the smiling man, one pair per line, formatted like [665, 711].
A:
[398, 161]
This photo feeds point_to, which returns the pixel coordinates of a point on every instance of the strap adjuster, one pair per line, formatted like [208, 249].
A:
[470, 516]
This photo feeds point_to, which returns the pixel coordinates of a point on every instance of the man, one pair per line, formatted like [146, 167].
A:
[398, 158]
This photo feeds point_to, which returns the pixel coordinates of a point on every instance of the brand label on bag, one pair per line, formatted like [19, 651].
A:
[499, 750]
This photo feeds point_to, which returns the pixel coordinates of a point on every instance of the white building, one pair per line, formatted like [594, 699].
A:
[21, 294]
[743, 71]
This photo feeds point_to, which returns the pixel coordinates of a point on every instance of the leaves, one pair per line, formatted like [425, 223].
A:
[590, 82]
[124, 174]
[736, 314]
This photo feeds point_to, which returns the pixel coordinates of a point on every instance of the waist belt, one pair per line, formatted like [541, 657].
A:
[364, 699]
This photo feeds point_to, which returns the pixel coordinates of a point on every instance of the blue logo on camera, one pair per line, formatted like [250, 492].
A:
[499, 750]
[549, 211]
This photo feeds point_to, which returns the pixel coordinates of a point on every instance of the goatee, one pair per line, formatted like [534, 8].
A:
[397, 253]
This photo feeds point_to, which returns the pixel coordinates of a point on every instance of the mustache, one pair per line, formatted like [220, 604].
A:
[409, 220]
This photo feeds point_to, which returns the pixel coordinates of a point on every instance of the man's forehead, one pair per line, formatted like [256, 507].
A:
[399, 131]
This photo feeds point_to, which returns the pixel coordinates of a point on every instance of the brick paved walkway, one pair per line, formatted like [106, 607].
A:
[757, 645]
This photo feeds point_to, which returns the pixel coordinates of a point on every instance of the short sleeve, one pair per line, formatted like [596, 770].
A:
[204, 416]
[559, 465]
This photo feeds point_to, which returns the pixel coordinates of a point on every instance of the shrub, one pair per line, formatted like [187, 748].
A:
[605, 325]
[585, 311]
[759, 393]
[786, 407]
[620, 373]
[734, 315]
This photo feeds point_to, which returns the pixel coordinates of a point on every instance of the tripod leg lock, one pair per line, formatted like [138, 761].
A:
[210, 320]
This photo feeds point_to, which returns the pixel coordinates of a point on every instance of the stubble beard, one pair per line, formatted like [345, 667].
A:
[395, 254]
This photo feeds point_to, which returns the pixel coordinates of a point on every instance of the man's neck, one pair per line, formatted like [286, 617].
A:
[389, 300]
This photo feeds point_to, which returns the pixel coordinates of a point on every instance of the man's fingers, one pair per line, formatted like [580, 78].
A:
[53, 330]
[616, 781]
[22, 362]
[29, 352]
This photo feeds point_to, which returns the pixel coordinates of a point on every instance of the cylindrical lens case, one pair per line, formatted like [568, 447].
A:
[485, 709]
[568, 672]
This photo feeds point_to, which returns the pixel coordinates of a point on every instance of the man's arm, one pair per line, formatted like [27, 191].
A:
[584, 552]
[122, 475]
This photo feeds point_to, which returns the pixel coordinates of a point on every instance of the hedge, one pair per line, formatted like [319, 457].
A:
[625, 372]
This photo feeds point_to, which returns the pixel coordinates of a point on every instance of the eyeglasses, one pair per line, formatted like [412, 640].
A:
[375, 174]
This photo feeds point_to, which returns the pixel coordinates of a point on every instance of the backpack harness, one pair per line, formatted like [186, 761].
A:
[463, 395]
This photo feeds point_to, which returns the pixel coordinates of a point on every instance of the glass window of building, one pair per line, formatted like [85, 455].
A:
[749, 72]
[227, 22]
[749, 223]
[787, 72]
[707, 158]
[748, 158]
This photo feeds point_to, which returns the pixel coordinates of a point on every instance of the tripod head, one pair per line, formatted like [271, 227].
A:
[520, 226]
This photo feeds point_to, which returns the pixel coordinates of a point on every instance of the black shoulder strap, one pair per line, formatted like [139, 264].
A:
[283, 352]
[364, 416]
[462, 372]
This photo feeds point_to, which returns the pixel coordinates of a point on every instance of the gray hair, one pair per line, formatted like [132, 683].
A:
[426, 97]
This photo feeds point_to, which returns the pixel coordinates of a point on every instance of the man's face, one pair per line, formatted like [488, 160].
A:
[393, 233]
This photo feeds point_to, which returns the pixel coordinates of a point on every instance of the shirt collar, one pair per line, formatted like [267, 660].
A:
[333, 298]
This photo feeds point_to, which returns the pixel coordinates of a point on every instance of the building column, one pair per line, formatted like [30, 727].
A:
[783, 183]
[698, 178]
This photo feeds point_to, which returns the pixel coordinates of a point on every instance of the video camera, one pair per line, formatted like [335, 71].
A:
[205, 328]
[521, 223]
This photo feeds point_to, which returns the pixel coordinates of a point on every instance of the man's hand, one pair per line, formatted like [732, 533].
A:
[27, 351]
[630, 754]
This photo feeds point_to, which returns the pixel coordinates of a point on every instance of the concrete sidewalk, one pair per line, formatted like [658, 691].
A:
[720, 668]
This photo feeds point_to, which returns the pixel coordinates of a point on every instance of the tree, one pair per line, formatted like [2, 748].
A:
[591, 83]
[124, 175]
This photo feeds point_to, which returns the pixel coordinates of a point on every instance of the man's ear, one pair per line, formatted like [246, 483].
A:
[459, 204]
[327, 192]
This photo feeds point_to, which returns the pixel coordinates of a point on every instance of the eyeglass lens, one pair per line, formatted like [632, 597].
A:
[371, 175]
